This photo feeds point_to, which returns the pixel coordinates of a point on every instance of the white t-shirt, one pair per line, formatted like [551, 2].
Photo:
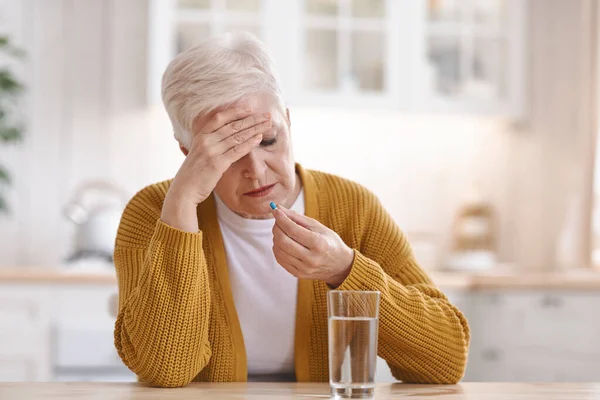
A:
[263, 291]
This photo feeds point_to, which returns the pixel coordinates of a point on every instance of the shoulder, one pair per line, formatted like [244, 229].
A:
[358, 216]
[141, 214]
[341, 191]
[344, 206]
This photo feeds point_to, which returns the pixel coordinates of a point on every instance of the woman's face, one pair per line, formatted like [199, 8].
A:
[265, 174]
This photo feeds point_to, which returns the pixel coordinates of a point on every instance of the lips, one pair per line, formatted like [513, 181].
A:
[260, 190]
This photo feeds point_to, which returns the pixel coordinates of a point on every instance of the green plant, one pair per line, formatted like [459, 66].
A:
[11, 130]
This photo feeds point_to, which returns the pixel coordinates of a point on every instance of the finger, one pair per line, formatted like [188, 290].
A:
[288, 262]
[296, 232]
[240, 150]
[226, 116]
[240, 137]
[285, 243]
[240, 125]
[302, 220]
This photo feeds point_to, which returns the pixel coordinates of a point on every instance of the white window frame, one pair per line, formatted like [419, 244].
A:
[513, 103]
[344, 24]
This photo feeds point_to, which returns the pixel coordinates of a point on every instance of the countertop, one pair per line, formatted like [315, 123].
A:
[584, 279]
[307, 391]
[52, 275]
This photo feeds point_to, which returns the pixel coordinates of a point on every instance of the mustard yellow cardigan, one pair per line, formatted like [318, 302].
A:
[177, 321]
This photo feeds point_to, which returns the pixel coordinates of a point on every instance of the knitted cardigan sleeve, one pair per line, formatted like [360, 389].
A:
[161, 332]
[423, 337]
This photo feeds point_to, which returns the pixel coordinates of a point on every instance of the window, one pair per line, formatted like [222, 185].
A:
[344, 45]
[197, 20]
[466, 48]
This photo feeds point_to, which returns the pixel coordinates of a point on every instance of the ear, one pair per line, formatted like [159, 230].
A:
[183, 150]
[287, 114]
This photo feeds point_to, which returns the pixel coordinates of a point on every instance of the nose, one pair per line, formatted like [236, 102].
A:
[253, 166]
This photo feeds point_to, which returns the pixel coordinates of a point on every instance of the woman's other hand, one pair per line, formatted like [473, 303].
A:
[309, 250]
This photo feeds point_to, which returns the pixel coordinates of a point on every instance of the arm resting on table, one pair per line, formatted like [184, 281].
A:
[422, 336]
[161, 332]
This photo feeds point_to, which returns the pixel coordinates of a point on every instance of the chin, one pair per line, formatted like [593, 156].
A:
[257, 211]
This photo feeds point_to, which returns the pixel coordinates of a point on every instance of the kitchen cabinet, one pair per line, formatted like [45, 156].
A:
[526, 334]
[83, 339]
[25, 350]
[59, 332]
[412, 55]
[470, 56]
[534, 336]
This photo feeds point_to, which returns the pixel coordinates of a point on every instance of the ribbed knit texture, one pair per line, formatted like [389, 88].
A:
[177, 321]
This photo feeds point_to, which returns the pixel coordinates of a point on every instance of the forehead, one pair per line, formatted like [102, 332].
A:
[260, 103]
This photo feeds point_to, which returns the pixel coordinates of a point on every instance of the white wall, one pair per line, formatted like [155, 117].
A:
[421, 167]
[552, 165]
[85, 73]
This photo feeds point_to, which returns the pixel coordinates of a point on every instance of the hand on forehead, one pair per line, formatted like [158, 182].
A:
[259, 103]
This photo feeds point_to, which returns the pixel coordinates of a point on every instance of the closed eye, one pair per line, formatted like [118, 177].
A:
[268, 142]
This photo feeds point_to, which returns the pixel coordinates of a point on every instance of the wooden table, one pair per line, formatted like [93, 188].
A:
[307, 391]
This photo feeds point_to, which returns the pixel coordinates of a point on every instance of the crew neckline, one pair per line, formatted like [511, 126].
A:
[237, 222]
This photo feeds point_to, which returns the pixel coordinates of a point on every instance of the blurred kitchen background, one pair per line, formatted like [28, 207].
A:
[474, 121]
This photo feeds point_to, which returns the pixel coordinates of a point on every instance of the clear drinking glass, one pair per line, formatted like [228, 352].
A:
[353, 328]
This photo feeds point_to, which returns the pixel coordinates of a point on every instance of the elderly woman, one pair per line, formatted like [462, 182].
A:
[215, 285]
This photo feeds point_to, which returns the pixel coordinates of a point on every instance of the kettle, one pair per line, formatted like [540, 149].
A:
[96, 210]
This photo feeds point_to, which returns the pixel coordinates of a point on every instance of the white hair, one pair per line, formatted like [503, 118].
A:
[216, 73]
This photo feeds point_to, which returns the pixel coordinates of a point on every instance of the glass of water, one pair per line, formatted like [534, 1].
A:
[353, 327]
